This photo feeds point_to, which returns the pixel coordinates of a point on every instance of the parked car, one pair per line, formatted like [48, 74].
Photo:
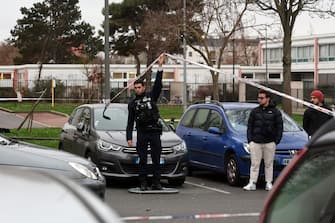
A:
[29, 156]
[215, 135]
[305, 191]
[34, 197]
[103, 140]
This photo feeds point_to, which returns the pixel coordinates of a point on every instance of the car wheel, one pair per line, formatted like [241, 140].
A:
[177, 182]
[232, 171]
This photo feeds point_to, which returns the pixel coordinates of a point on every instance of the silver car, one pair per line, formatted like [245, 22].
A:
[37, 197]
[103, 140]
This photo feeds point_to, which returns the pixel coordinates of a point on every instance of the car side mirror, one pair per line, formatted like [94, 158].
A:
[80, 126]
[171, 124]
[214, 130]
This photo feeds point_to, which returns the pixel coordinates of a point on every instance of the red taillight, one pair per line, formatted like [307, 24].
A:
[280, 181]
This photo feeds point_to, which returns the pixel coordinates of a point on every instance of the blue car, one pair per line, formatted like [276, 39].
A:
[216, 139]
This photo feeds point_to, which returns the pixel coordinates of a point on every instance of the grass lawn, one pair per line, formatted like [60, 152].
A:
[38, 133]
[66, 108]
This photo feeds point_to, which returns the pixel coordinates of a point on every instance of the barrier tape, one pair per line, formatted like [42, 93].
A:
[196, 216]
[308, 104]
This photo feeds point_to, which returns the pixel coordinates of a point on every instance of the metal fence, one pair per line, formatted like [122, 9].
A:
[90, 92]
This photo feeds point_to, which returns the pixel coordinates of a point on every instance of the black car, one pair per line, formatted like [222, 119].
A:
[29, 156]
[33, 197]
[305, 190]
[103, 140]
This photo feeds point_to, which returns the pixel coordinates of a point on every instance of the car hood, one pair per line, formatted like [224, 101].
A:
[290, 140]
[168, 139]
[24, 155]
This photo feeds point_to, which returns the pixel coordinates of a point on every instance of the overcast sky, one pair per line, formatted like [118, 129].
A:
[91, 13]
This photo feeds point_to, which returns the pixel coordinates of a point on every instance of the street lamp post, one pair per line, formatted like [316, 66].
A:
[107, 72]
[233, 40]
[184, 52]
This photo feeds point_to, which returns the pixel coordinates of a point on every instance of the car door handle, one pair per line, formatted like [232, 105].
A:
[188, 134]
[204, 138]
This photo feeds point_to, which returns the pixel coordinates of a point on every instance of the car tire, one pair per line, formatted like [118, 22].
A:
[177, 182]
[232, 170]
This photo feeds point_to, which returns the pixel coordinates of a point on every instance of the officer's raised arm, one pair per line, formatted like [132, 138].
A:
[158, 85]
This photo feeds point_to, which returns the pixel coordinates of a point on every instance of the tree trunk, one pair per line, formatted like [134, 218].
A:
[138, 65]
[215, 78]
[287, 45]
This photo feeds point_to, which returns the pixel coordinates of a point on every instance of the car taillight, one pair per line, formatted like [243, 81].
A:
[280, 181]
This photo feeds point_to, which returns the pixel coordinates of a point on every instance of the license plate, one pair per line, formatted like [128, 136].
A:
[286, 161]
[149, 160]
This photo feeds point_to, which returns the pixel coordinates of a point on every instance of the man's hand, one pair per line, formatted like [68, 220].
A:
[161, 60]
[130, 143]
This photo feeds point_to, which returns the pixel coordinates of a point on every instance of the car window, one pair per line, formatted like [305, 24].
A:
[187, 120]
[215, 120]
[238, 118]
[76, 116]
[118, 119]
[308, 194]
[200, 118]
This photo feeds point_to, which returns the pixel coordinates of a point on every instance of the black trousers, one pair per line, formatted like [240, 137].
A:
[143, 141]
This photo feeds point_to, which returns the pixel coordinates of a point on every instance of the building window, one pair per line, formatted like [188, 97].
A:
[302, 54]
[274, 76]
[274, 55]
[248, 75]
[132, 75]
[117, 75]
[190, 54]
[327, 52]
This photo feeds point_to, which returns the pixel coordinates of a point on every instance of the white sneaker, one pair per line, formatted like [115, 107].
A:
[268, 186]
[250, 186]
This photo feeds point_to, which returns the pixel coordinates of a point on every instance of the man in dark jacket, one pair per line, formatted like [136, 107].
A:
[144, 111]
[265, 129]
[314, 119]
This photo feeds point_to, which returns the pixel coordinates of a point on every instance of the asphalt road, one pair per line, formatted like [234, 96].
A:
[12, 121]
[203, 193]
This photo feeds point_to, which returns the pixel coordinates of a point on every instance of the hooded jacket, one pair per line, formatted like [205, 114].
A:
[314, 119]
[265, 125]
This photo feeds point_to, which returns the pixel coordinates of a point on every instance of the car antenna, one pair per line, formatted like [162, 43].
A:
[129, 85]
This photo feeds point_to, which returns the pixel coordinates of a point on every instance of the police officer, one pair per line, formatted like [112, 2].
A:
[144, 111]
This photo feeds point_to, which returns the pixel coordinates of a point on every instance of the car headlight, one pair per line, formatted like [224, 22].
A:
[106, 146]
[180, 147]
[246, 147]
[83, 170]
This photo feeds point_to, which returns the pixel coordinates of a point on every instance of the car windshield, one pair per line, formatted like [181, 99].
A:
[238, 118]
[118, 119]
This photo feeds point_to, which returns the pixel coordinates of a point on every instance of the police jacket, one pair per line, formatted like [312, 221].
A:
[144, 111]
[265, 125]
[314, 119]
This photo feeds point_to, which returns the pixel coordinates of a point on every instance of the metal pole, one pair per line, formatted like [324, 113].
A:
[184, 49]
[107, 72]
[266, 55]
[233, 69]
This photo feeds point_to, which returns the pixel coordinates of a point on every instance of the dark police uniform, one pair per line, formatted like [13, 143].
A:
[144, 111]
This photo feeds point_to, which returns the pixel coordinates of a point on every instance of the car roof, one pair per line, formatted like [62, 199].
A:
[324, 136]
[229, 105]
[31, 196]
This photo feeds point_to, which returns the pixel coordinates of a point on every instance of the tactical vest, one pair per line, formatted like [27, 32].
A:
[146, 112]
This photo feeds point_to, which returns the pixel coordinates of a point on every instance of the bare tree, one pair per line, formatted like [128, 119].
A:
[7, 54]
[288, 12]
[222, 18]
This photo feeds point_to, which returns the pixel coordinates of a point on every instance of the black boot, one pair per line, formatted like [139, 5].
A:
[156, 186]
[143, 186]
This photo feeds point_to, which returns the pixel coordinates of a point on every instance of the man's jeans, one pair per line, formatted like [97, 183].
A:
[257, 152]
